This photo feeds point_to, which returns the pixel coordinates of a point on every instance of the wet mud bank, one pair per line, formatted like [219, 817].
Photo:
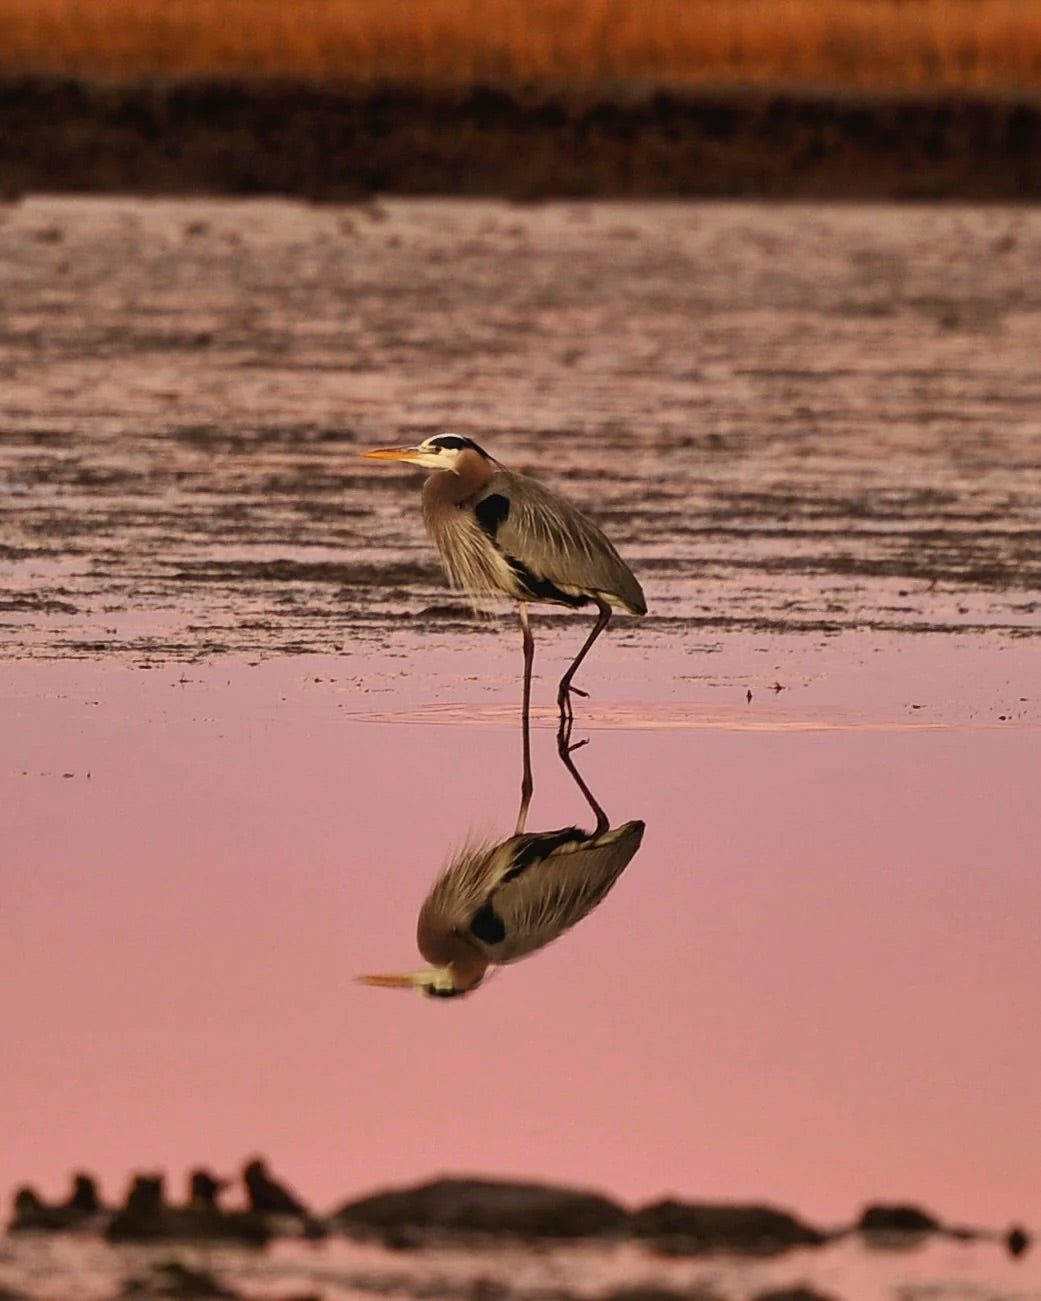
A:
[336, 142]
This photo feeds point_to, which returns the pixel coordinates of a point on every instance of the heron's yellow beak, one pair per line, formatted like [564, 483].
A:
[407, 980]
[391, 453]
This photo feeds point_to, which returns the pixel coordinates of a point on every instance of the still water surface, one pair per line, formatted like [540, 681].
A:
[244, 723]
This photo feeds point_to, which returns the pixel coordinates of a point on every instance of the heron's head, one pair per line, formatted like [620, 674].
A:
[434, 982]
[440, 452]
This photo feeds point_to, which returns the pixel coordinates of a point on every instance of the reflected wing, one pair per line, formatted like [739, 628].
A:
[555, 551]
[557, 878]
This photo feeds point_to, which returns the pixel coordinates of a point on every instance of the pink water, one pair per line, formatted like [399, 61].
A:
[233, 756]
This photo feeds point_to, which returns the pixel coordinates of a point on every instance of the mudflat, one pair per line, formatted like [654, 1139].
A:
[803, 418]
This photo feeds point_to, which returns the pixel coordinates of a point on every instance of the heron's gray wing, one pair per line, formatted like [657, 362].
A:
[551, 544]
[557, 878]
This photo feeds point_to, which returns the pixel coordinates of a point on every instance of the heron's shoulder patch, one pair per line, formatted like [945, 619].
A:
[492, 512]
[488, 926]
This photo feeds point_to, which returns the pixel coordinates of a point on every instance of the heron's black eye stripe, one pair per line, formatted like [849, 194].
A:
[488, 926]
[492, 512]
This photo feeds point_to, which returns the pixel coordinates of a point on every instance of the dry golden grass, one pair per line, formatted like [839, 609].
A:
[979, 44]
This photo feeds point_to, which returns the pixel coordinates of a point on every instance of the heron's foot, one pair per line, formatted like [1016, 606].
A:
[564, 694]
[565, 746]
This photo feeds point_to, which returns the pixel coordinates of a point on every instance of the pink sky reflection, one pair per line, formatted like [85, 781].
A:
[815, 985]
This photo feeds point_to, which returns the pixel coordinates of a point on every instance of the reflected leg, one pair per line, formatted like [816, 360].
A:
[527, 783]
[565, 749]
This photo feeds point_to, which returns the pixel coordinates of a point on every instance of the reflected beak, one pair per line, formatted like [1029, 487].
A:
[407, 980]
[391, 453]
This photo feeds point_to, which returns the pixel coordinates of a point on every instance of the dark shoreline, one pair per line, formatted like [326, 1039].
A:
[327, 142]
[467, 1212]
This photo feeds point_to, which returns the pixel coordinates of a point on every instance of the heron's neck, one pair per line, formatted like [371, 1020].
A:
[450, 950]
[472, 471]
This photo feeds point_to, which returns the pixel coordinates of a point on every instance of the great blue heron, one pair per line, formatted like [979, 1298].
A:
[501, 533]
[496, 903]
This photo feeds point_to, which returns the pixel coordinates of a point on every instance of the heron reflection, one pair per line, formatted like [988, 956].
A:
[496, 903]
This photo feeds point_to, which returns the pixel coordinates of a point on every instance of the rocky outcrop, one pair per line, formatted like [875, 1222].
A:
[681, 1228]
[895, 1224]
[453, 1207]
[897, 1218]
[1017, 1240]
[469, 1210]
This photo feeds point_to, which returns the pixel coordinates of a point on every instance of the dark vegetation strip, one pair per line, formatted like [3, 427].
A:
[329, 142]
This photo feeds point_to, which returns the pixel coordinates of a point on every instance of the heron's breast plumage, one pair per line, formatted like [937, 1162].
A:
[471, 563]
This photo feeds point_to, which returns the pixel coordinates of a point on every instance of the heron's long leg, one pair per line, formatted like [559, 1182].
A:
[527, 784]
[565, 688]
[565, 750]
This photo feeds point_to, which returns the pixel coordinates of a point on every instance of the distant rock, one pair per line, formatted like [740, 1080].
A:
[80, 1210]
[266, 1195]
[897, 1218]
[481, 1206]
[681, 1228]
[1017, 1240]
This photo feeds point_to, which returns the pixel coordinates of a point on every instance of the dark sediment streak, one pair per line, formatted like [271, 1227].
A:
[325, 141]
